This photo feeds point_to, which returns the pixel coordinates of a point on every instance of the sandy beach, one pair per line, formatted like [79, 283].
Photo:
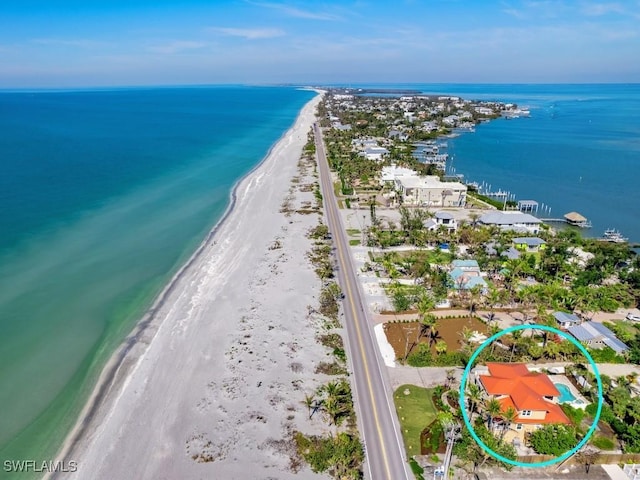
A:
[218, 375]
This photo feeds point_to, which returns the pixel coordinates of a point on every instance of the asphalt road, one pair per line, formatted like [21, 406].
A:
[374, 403]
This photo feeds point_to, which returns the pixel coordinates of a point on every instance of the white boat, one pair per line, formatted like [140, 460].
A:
[612, 235]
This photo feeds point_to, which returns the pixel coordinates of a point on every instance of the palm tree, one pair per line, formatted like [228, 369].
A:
[492, 407]
[493, 329]
[309, 401]
[441, 347]
[451, 376]
[435, 338]
[515, 337]
[474, 396]
[545, 318]
[475, 293]
[333, 409]
[551, 350]
[509, 415]
[331, 389]
[466, 335]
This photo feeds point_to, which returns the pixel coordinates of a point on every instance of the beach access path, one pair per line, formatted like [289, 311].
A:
[377, 418]
[216, 382]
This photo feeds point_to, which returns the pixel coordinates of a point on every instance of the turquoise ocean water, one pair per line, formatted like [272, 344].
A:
[103, 195]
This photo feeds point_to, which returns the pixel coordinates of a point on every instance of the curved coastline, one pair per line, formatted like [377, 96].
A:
[113, 375]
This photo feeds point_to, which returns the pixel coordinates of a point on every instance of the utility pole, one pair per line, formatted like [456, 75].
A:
[451, 434]
[406, 339]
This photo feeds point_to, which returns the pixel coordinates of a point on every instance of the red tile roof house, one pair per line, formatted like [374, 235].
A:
[531, 394]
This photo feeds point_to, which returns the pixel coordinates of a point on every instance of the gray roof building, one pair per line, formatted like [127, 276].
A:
[511, 221]
[596, 335]
[566, 319]
[529, 241]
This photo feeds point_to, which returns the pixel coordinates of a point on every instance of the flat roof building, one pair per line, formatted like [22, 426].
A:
[430, 191]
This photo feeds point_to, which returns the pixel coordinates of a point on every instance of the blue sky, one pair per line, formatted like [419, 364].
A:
[135, 42]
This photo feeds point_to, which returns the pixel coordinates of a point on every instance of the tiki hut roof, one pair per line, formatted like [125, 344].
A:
[575, 217]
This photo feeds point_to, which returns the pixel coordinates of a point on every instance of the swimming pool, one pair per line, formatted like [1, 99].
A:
[565, 394]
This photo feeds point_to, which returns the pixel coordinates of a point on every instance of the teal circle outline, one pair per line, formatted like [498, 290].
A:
[465, 376]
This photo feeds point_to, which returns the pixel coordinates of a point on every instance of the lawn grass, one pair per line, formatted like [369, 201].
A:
[354, 243]
[629, 328]
[353, 232]
[415, 412]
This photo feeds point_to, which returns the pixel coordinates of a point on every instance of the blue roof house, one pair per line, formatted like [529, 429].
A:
[596, 335]
[466, 275]
[466, 264]
[566, 320]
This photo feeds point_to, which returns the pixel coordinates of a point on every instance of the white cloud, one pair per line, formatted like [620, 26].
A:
[600, 9]
[298, 12]
[64, 42]
[177, 46]
[249, 33]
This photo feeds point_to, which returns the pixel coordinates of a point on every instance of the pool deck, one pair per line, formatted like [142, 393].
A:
[580, 401]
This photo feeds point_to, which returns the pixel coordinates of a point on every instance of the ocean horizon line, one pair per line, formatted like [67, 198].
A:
[345, 84]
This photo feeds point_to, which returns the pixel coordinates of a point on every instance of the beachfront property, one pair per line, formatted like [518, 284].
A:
[430, 191]
[596, 335]
[466, 274]
[531, 395]
[566, 320]
[518, 221]
[529, 244]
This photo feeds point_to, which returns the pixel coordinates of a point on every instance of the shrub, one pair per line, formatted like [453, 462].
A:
[421, 357]
[575, 414]
[401, 301]
[554, 439]
[341, 456]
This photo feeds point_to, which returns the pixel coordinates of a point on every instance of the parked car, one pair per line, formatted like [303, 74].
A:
[633, 317]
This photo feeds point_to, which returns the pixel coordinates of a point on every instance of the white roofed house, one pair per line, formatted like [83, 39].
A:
[398, 135]
[518, 221]
[389, 173]
[566, 320]
[374, 153]
[446, 220]
[430, 191]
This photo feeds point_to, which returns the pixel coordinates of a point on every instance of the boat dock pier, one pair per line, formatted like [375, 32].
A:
[571, 218]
